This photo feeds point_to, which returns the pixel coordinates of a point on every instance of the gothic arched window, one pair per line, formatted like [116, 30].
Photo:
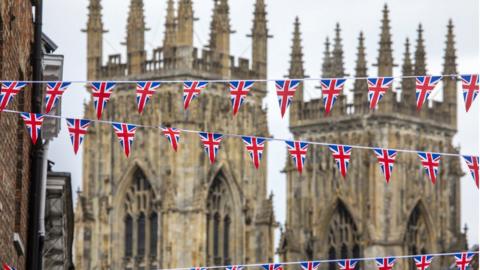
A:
[343, 237]
[416, 236]
[141, 223]
[219, 221]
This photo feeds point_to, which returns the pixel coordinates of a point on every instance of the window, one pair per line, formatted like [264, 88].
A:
[140, 224]
[343, 237]
[416, 235]
[219, 222]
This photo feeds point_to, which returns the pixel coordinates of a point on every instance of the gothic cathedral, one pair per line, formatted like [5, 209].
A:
[158, 208]
[362, 216]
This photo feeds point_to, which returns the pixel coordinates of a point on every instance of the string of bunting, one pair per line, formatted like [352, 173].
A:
[239, 90]
[422, 262]
[211, 141]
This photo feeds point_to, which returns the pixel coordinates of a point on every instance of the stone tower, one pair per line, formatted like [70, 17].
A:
[158, 208]
[362, 215]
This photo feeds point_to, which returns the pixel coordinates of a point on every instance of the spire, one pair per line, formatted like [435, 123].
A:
[185, 23]
[260, 39]
[220, 34]
[94, 32]
[169, 39]
[385, 54]
[296, 71]
[327, 61]
[136, 37]
[337, 55]
[360, 88]
[449, 83]
[420, 58]
[408, 84]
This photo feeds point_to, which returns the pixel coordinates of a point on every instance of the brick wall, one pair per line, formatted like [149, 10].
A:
[16, 37]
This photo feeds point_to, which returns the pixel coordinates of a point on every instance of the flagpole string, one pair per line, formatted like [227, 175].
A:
[253, 80]
[324, 261]
[240, 135]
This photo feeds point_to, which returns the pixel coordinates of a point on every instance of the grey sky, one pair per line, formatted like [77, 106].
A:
[64, 19]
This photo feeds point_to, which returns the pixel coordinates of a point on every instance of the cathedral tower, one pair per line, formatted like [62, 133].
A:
[165, 209]
[94, 32]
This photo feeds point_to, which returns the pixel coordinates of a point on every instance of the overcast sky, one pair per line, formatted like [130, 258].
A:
[63, 21]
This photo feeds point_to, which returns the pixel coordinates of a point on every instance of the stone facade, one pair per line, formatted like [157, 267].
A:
[164, 209]
[332, 217]
[16, 37]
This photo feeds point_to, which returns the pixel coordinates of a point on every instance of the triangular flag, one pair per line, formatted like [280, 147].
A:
[54, 92]
[423, 262]
[463, 260]
[331, 88]
[101, 92]
[145, 90]
[33, 122]
[386, 159]
[377, 87]
[341, 154]
[255, 147]
[238, 92]
[385, 263]
[473, 164]
[424, 86]
[173, 136]
[125, 134]
[211, 144]
[8, 91]
[285, 92]
[471, 88]
[191, 90]
[298, 151]
[430, 162]
[77, 129]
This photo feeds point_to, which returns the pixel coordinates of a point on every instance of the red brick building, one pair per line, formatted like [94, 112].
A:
[16, 41]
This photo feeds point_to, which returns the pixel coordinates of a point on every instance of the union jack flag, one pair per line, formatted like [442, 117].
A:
[145, 90]
[347, 264]
[101, 92]
[8, 267]
[463, 260]
[191, 90]
[330, 90]
[234, 267]
[471, 88]
[198, 268]
[8, 91]
[386, 158]
[285, 92]
[424, 87]
[311, 265]
[211, 144]
[473, 164]
[385, 263]
[255, 148]
[238, 92]
[423, 262]
[54, 91]
[33, 122]
[125, 134]
[298, 151]
[173, 136]
[272, 266]
[341, 154]
[77, 129]
[377, 87]
[430, 162]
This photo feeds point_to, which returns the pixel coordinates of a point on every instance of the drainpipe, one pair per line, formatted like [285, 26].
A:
[35, 241]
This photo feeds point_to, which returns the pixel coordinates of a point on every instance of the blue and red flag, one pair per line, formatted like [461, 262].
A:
[126, 134]
[101, 92]
[77, 129]
[272, 266]
[310, 265]
[191, 90]
[33, 122]
[211, 144]
[377, 87]
[423, 262]
[347, 264]
[424, 86]
[8, 267]
[285, 91]
[234, 267]
[331, 88]
[473, 164]
[145, 90]
[341, 154]
[430, 162]
[385, 263]
[198, 268]
[471, 88]
[238, 92]
[8, 91]
[463, 260]
[298, 151]
[173, 136]
[255, 147]
[386, 159]
[54, 92]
